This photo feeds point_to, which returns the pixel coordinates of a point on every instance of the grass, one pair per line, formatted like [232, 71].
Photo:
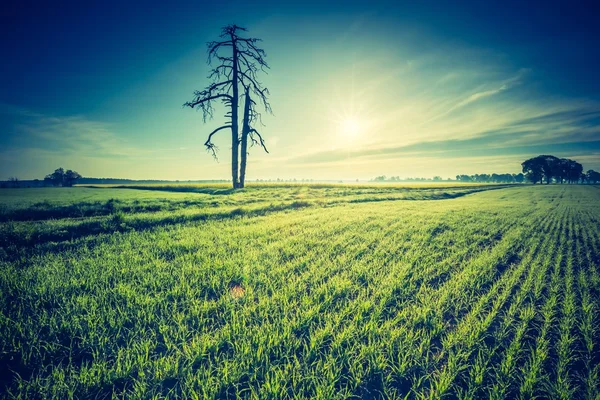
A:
[300, 291]
[81, 202]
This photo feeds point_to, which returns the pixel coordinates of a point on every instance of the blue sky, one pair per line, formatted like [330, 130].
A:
[359, 89]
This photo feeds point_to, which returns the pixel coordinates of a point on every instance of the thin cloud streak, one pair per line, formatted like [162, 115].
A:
[549, 130]
[480, 95]
[73, 135]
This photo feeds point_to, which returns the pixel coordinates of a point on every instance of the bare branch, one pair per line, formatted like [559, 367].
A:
[260, 53]
[200, 101]
[258, 58]
[256, 116]
[249, 40]
[257, 89]
[204, 101]
[222, 59]
[221, 70]
[260, 140]
[214, 46]
[230, 30]
[210, 146]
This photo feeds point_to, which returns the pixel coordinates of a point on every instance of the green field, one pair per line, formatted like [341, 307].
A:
[301, 291]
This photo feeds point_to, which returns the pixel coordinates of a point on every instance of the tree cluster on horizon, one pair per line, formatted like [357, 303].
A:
[548, 168]
[60, 177]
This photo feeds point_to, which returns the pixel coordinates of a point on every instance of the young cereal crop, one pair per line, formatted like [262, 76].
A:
[299, 291]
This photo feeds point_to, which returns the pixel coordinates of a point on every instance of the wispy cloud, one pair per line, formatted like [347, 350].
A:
[446, 107]
[34, 143]
[572, 129]
[481, 94]
[69, 135]
[75, 134]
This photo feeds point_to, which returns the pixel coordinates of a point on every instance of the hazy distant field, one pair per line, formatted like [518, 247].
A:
[301, 291]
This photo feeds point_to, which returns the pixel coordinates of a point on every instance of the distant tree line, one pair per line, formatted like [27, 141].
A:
[383, 178]
[492, 178]
[13, 181]
[480, 178]
[541, 169]
[549, 169]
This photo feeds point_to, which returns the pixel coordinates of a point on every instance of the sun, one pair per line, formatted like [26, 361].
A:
[350, 126]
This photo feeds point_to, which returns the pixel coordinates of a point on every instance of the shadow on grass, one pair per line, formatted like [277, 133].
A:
[45, 210]
[15, 238]
[12, 366]
[179, 189]
[427, 196]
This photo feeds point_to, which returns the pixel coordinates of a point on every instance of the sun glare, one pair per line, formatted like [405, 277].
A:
[350, 127]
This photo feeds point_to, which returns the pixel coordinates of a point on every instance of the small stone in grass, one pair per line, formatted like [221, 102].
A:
[237, 291]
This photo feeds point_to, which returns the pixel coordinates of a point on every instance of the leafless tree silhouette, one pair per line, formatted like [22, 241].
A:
[238, 68]
[251, 116]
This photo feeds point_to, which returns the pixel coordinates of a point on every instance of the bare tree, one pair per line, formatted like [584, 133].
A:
[240, 65]
[249, 132]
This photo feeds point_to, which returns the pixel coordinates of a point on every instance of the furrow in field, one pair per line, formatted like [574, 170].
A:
[534, 378]
[506, 376]
[588, 323]
[503, 345]
[103, 221]
[562, 381]
[371, 255]
[460, 343]
[382, 300]
[592, 234]
[244, 330]
[340, 239]
[418, 325]
[332, 317]
[426, 267]
[351, 244]
[350, 311]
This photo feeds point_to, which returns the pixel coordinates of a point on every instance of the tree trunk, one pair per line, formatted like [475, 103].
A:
[245, 132]
[235, 141]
